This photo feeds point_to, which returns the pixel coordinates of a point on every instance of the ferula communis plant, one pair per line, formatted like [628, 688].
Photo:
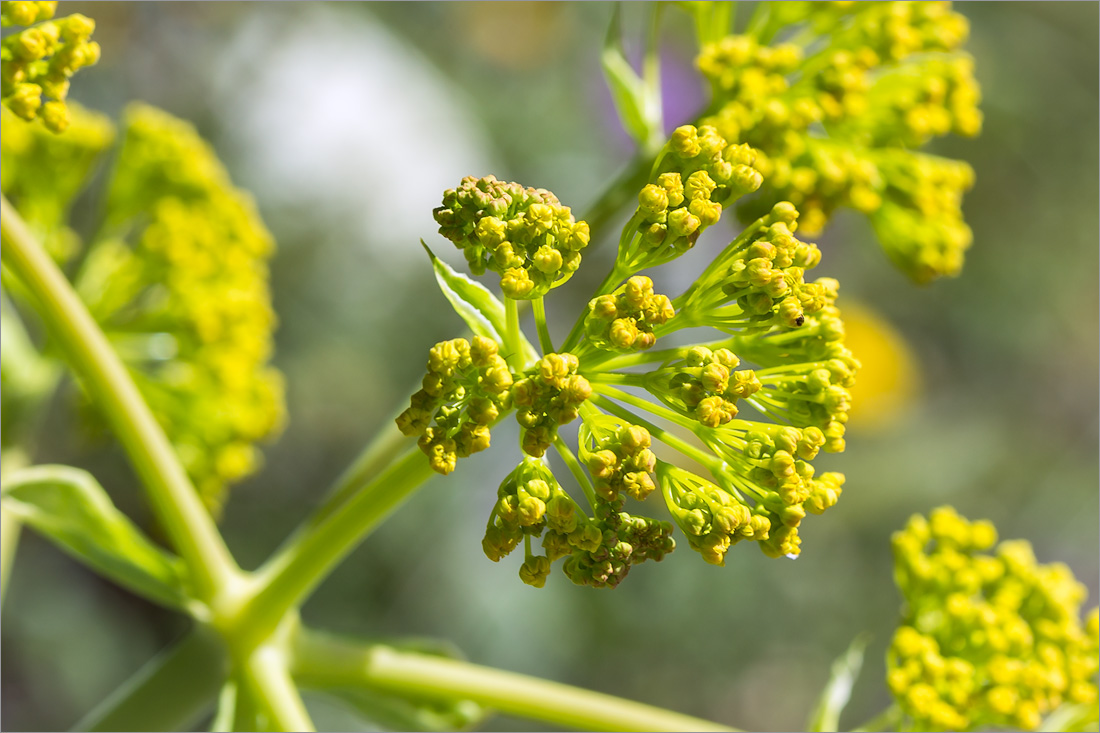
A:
[164, 316]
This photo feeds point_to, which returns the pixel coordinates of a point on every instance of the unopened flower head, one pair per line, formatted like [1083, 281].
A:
[178, 280]
[990, 638]
[36, 63]
[523, 234]
[752, 409]
[697, 174]
[878, 79]
[466, 389]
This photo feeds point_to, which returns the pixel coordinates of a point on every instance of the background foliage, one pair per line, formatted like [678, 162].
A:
[347, 121]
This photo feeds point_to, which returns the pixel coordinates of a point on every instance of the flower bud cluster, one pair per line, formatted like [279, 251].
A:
[756, 291]
[920, 221]
[909, 105]
[42, 172]
[759, 280]
[712, 519]
[989, 639]
[624, 541]
[549, 395]
[623, 321]
[179, 282]
[598, 551]
[618, 457]
[37, 62]
[523, 234]
[884, 78]
[464, 392]
[704, 385]
[698, 173]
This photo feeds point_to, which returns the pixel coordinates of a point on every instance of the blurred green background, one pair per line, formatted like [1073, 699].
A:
[347, 121]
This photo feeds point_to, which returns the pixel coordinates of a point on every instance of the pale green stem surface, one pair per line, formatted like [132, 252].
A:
[174, 499]
[267, 676]
[9, 540]
[325, 661]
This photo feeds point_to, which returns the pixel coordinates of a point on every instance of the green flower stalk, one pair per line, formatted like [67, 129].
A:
[835, 97]
[36, 63]
[752, 409]
[177, 277]
[990, 638]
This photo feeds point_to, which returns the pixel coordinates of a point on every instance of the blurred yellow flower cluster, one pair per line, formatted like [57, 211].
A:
[835, 96]
[988, 640]
[177, 277]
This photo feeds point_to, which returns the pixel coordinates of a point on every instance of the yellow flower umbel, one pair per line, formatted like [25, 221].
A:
[837, 96]
[990, 638]
[37, 62]
[178, 280]
[761, 401]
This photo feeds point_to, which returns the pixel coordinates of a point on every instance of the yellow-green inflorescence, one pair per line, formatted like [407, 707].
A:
[177, 277]
[838, 95]
[753, 407]
[37, 62]
[989, 638]
[523, 234]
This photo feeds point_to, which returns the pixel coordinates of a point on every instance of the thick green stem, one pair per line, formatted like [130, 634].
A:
[325, 661]
[171, 692]
[300, 565]
[174, 499]
[266, 676]
[9, 540]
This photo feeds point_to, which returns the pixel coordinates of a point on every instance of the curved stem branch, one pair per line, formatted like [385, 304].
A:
[174, 499]
[326, 661]
[304, 561]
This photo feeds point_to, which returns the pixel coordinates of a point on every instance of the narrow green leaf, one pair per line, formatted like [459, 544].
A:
[480, 309]
[627, 89]
[472, 301]
[1071, 717]
[68, 507]
[838, 690]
